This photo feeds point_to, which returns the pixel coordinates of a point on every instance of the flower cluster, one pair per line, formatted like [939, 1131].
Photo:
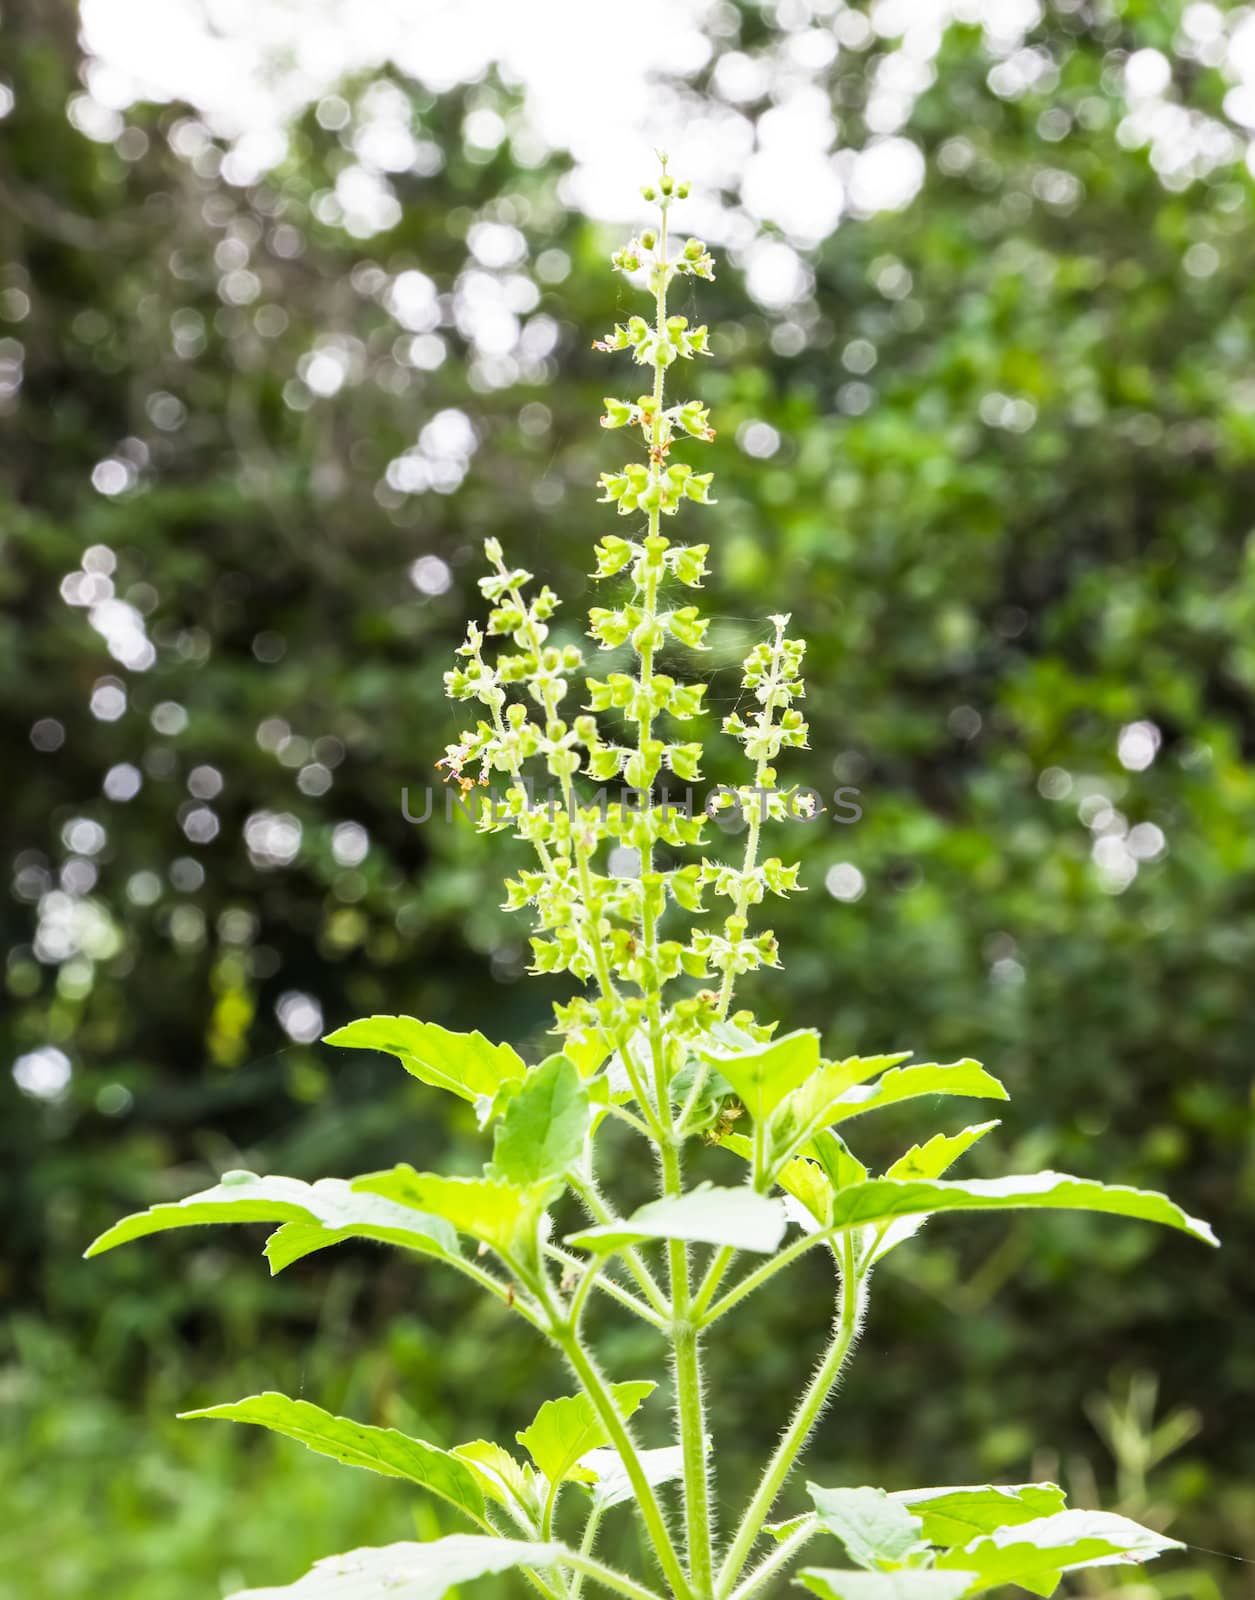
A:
[634, 932]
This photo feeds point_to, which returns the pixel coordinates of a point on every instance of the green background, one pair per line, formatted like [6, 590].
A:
[1024, 529]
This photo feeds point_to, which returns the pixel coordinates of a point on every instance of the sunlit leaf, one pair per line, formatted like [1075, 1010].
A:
[953, 1516]
[383, 1450]
[501, 1215]
[873, 1527]
[808, 1180]
[466, 1064]
[503, 1479]
[939, 1154]
[834, 1156]
[545, 1124]
[325, 1212]
[564, 1430]
[884, 1199]
[809, 1193]
[739, 1218]
[612, 1486]
[965, 1077]
[410, 1571]
[762, 1074]
[1036, 1553]
[924, 1161]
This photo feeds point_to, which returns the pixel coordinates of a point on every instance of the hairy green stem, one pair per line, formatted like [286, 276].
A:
[688, 1378]
[803, 1420]
[690, 1403]
[761, 1275]
[586, 1549]
[608, 1286]
[495, 1287]
[586, 1188]
[777, 1560]
[597, 1391]
[586, 1566]
[714, 1277]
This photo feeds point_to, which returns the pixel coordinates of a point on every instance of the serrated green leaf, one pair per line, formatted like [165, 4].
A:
[545, 1125]
[502, 1478]
[828, 1098]
[383, 1450]
[924, 1161]
[884, 1199]
[612, 1486]
[939, 1154]
[762, 1074]
[465, 1064]
[564, 1430]
[837, 1160]
[326, 1211]
[501, 1215]
[965, 1077]
[1037, 1553]
[953, 1516]
[780, 1531]
[410, 1571]
[832, 1584]
[873, 1527]
[739, 1218]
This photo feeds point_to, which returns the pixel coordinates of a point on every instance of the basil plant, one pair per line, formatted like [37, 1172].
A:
[580, 768]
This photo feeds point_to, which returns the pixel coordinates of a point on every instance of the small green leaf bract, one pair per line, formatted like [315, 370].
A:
[564, 1430]
[466, 1064]
[953, 1516]
[383, 1450]
[1036, 1553]
[883, 1199]
[327, 1211]
[929, 1160]
[762, 1074]
[939, 1154]
[501, 1477]
[410, 1571]
[738, 1218]
[545, 1125]
[831, 1584]
[873, 1527]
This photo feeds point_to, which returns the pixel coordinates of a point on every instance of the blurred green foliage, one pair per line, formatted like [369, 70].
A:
[1004, 487]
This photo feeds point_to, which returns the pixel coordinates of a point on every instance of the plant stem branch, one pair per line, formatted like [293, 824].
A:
[777, 1560]
[646, 1500]
[495, 1287]
[714, 1276]
[586, 1549]
[761, 1275]
[805, 1415]
[608, 1286]
[600, 1212]
[586, 1566]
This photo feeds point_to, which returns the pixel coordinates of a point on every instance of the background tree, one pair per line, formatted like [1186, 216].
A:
[245, 459]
